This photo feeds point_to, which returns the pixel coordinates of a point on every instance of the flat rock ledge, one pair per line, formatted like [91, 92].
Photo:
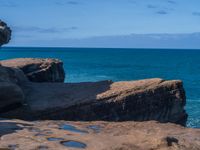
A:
[38, 69]
[61, 135]
[152, 99]
[142, 100]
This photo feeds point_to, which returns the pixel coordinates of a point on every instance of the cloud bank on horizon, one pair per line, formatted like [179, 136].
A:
[105, 23]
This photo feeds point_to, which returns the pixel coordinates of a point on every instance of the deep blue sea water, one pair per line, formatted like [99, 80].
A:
[83, 64]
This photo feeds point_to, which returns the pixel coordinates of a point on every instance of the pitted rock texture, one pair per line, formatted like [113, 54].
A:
[21, 135]
[5, 33]
[38, 70]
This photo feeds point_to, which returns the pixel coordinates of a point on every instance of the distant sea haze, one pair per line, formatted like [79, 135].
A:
[90, 64]
[180, 41]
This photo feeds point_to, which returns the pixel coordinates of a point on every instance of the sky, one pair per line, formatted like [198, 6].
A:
[103, 23]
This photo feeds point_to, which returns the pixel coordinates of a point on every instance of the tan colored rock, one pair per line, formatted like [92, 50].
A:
[152, 99]
[52, 135]
[38, 70]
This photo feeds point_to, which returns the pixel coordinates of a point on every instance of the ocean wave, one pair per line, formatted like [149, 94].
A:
[102, 76]
[194, 100]
[193, 123]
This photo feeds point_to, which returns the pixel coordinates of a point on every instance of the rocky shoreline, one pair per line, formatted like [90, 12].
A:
[120, 111]
[108, 115]
[142, 100]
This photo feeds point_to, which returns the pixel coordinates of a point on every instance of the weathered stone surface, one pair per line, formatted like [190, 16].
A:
[38, 70]
[12, 75]
[97, 135]
[5, 33]
[153, 99]
[11, 96]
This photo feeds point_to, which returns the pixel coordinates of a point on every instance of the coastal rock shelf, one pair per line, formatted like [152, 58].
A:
[5, 33]
[38, 70]
[32, 89]
[153, 99]
[23, 135]
[150, 99]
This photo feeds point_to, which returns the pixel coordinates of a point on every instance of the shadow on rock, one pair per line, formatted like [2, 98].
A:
[8, 128]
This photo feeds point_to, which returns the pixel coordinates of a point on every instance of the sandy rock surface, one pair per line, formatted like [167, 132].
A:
[60, 135]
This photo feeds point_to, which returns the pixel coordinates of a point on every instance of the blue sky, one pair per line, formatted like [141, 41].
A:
[103, 23]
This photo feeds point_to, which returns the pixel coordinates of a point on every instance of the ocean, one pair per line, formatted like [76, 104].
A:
[94, 64]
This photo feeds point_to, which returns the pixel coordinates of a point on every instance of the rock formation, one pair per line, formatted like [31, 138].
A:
[38, 70]
[60, 135]
[5, 33]
[153, 99]
[11, 95]
[12, 75]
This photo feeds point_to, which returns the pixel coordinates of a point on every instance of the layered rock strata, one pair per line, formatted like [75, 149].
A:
[38, 70]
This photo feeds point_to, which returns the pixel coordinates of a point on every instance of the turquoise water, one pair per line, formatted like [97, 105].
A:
[126, 64]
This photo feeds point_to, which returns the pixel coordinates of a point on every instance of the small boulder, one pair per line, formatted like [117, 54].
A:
[5, 33]
[11, 96]
[38, 70]
[12, 75]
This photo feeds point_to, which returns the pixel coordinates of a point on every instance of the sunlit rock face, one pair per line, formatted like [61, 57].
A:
[5, 33]
[142, 100]
[38, 69]
[64, 135]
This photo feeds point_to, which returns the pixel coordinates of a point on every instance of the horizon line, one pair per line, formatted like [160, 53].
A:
[99, 47]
